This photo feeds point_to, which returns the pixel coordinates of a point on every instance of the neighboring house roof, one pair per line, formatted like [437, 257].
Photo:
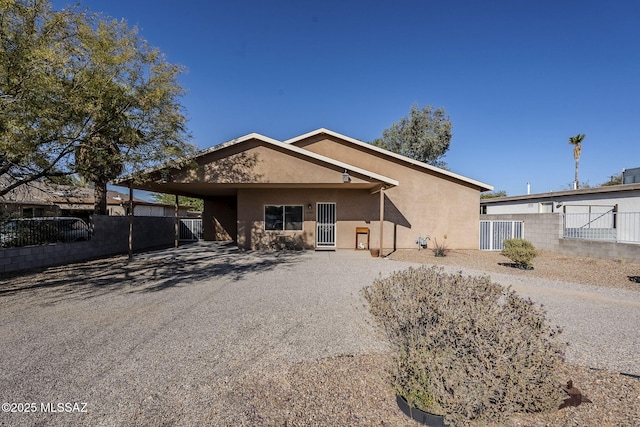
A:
[613, 190]
[371, 147]
[69, 197]
[55, 194]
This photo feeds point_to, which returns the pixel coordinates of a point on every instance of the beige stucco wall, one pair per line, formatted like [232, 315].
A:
[354, 208]
[219, 218]
[254, 162]
[423, 204]
[357, 208]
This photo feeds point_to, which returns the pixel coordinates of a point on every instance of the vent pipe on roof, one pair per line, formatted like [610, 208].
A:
[528, 188]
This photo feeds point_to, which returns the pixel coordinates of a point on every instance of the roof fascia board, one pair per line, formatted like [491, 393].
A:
[286, 147]
[338, 163]
[200, 153]
[614, 189]
[372, 147]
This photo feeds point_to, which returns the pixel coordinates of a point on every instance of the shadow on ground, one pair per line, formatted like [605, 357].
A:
[514, 265]
[149, 272]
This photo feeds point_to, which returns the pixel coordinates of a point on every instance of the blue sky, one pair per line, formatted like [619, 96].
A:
[518, 78]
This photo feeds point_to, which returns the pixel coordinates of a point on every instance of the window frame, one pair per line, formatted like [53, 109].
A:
[284, 216]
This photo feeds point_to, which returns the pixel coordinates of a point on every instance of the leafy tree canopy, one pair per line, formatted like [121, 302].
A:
[613, 180]
[424, 135]
[170, 199]
[82, 94]
[493, 194]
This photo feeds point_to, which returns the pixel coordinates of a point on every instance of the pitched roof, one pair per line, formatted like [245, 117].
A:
[288, 148]
[288, 145]
[50, 194]
[371, 147]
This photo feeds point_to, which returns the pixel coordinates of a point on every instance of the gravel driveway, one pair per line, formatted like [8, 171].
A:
[167, 338]
[601, 324]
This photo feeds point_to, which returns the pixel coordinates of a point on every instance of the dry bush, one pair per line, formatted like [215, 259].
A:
[440, 249]
[466, 347]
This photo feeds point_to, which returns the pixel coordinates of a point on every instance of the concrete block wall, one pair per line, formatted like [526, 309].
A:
[110, 237]
[603, 250]
[544, 231]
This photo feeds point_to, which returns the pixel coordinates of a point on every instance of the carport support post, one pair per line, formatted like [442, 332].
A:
[177, 225]
[130, 221]
[381, 219]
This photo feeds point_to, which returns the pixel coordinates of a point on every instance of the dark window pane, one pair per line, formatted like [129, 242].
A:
[273, 216]
[293, 217]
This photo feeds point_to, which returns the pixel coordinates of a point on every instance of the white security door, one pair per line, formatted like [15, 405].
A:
[326, 225]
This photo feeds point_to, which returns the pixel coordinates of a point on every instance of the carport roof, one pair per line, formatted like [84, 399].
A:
[377, 177]
[199, 190]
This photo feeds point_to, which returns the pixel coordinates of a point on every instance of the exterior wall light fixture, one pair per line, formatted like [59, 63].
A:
[345, 176]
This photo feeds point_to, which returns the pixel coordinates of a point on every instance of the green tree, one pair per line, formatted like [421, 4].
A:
[576, 141]
[493, 194]
[36, 126]
[613, 180]
[82, 94]
[170, 199]
[424, 135]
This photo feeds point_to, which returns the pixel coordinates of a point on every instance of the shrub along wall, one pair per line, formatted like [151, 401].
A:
[110, 237]
[544, 231]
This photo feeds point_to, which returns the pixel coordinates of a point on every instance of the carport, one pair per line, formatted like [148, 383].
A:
[248, 182]
[320, 190]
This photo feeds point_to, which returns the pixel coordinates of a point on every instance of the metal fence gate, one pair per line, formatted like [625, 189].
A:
[191, 229]
[494, 233]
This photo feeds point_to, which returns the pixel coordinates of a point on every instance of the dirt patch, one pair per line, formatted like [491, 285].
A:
[547, 265]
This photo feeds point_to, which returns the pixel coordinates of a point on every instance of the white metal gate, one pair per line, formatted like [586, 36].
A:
[326, 225]
[190, 229]
[494, 233]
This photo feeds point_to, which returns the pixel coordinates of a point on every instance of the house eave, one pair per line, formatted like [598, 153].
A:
[480, 185]
[356, 171]
[612, 189]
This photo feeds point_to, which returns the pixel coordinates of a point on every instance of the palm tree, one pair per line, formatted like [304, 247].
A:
[576, 141]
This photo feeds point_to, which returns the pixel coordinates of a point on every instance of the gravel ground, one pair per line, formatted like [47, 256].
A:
[206, 335]
[547, 265]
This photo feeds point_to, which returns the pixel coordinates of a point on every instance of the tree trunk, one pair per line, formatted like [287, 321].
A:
[100, 194]
[577, 183]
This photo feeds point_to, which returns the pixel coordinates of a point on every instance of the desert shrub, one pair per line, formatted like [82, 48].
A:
[439, 249]
[465, 347]
[520, 251]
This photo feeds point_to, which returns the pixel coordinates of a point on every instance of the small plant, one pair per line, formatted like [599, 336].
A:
[520, 251]
[440, 249]
[465, 347]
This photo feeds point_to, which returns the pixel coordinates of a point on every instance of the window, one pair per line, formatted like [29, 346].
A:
[282, 217]
[545, 207]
